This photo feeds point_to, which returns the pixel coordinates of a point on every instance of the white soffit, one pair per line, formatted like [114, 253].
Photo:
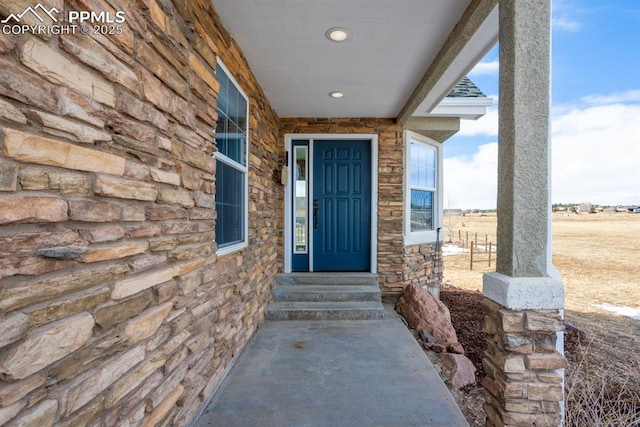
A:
[391, 45]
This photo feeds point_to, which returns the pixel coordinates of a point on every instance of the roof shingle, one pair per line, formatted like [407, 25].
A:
[466, 89]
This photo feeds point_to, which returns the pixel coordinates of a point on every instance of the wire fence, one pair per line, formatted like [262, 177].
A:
[481, 247]
[481, 253]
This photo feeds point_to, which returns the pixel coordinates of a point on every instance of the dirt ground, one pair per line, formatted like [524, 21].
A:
[598, 257]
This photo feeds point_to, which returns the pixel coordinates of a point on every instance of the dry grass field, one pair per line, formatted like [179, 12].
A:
[598, 257]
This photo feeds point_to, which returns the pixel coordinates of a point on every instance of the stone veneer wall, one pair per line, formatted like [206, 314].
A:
[398, 266]
[522, 385]
[424, 267]
[114, 308]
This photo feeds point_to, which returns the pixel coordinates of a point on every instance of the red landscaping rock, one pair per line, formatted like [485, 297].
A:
[424, 311]
[462, 370]
[438, 348]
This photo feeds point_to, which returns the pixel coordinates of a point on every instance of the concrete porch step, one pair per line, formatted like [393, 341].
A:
[326, 296]
[328, 279]
[326, 293]
[313, 310]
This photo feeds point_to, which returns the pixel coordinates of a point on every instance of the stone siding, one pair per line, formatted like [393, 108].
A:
[423, 267]
[398, 265]
[524, 379]
[114, 308]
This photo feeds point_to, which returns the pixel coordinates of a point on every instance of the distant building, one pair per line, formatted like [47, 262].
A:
[583, 208]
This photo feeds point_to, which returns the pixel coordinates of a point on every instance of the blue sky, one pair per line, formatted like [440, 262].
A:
[595, 112]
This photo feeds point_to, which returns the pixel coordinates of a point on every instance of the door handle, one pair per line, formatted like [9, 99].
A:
[316, 212]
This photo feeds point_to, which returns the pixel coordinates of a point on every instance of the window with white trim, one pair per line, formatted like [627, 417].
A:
[423, 189]
[232, 138]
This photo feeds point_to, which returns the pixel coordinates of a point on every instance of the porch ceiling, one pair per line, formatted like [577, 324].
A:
[381, 68]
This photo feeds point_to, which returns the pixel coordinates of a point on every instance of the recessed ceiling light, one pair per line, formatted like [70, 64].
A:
[336, 94]
[337, 34]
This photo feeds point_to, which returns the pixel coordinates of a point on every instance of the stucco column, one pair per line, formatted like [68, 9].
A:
[524, 298]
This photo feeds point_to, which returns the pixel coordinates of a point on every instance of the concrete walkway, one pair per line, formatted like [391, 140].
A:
[333, 373]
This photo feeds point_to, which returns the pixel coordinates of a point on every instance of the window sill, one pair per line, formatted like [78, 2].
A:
[424, 238]
[231, 248]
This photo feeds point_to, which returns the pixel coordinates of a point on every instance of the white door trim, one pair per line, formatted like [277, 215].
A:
[288, 192]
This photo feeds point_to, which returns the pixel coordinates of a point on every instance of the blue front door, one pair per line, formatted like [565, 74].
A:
[341, 207]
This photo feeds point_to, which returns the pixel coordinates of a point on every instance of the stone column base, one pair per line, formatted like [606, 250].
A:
[524, 361]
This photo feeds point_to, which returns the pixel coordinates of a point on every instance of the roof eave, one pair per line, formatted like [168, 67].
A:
[473, 37]
[464, 108]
